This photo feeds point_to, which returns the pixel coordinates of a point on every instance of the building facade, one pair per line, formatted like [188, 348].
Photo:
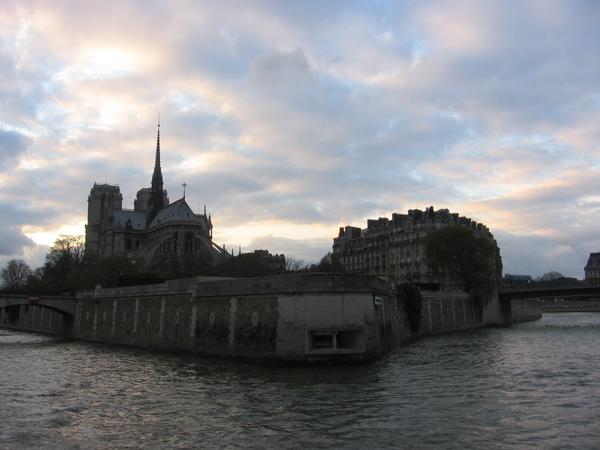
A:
[274, 263]
[592, 269]
[396, 248]
[156, 234]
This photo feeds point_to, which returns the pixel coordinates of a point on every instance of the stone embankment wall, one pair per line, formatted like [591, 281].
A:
[447, 311]
[524, 310]
[300, 317]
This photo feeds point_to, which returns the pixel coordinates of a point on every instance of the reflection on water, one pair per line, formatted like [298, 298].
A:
[531, 385]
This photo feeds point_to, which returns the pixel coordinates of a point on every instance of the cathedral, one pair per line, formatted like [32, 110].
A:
[155, 234]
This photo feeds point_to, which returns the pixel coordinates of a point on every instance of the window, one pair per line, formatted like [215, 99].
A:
[335, 340]
[323, 340]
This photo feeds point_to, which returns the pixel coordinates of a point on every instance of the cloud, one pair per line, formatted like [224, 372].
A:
[13, 240]
[291, 119]
[12, 145]
[282, 68]
[536, 255]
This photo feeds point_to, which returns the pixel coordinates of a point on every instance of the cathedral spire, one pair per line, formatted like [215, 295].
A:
[157, 160]
[157, 180]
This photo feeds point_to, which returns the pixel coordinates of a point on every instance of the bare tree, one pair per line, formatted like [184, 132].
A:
[551, 276]
[15, 274]
[295, 265]
[65, 256]
[72, 245]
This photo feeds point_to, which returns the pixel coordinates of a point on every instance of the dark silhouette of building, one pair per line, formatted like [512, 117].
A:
[156, 234]
[396, 248]
[592, 269]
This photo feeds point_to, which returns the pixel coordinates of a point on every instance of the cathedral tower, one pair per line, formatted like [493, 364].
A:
[104, 200]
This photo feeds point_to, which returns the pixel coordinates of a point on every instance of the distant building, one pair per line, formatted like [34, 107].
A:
[592, 269]
[253, 264]
[156, 234]
[274, 263]
[396, 247]
[516, 280]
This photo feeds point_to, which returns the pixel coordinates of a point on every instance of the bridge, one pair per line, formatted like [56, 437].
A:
[551, 292]
[559, 299]
[61, 304]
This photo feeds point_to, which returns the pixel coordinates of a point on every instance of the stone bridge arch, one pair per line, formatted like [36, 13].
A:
[10, 307]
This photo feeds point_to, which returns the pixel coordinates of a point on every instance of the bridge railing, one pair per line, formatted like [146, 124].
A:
[582, 291]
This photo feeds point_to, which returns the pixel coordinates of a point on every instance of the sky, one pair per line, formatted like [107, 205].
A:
[289, 119]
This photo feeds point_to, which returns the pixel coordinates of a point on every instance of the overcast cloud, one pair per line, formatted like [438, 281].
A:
[290, 119]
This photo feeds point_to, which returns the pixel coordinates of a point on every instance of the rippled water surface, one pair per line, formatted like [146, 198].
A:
[530, 385]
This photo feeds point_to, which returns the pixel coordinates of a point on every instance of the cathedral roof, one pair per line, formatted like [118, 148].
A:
[176, 212]
[134, 220]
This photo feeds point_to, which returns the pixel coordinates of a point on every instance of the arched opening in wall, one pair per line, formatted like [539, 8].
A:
[12, 313]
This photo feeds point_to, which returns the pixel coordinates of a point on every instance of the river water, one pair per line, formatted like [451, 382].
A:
[531, 385]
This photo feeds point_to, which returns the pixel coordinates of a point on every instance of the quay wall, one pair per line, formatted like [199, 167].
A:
[447, 311]
[299, 317]
[525, 309]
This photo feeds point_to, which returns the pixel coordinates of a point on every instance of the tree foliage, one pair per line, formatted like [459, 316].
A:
[328, 263]
[64, 263]
[15, 274]
[461, 253]
[68, 268]
[66, 254]
[246, 265]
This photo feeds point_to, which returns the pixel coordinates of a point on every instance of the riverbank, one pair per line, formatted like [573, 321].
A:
[300, 318]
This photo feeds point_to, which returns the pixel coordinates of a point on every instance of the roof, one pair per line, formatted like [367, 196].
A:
[593, 261]
[176, 212]
[135, 220]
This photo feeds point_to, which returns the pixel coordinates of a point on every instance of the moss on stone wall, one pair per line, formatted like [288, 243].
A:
[256, 324]
[212, 322]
